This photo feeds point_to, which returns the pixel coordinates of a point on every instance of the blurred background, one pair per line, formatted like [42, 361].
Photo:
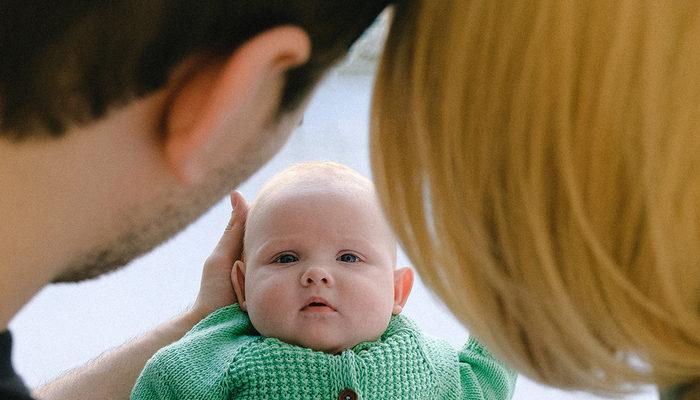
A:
[67, 325]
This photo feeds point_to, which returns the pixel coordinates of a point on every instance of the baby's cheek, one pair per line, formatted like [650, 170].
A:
[373, 309]
[265, 320]
[272, 306]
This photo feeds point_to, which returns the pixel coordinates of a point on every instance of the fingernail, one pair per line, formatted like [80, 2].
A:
[234, 200]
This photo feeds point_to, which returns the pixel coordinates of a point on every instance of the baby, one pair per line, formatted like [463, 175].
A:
[318, 314]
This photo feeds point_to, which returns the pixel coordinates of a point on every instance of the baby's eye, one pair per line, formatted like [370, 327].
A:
[286, 259]
[348, 258]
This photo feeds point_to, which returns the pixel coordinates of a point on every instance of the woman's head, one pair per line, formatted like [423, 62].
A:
[540, 162]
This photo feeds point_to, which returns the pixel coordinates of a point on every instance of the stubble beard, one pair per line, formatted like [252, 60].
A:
[142, 234]
[144, 231]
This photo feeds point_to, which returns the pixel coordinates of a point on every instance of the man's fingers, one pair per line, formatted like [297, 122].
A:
[239, 208]
[231, 241]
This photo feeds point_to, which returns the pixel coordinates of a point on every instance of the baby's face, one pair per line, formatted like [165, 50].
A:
[319, 269]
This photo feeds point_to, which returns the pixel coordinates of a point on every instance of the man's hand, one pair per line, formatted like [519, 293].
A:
[216, 290]
[112, 375]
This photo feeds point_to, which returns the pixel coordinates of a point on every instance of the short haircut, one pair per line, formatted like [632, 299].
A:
[71, 62]
[316, 171]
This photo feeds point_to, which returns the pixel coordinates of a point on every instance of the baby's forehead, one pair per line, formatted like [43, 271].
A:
[314, 182]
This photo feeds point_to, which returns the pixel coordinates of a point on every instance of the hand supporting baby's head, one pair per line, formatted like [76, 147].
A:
[320, 260]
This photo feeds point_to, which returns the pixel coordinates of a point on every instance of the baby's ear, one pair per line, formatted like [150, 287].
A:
[238, 281]
[403, 283]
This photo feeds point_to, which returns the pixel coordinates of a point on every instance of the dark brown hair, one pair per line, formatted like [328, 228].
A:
[70, 62]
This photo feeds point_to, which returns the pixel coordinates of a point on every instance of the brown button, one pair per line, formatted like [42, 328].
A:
[347, 394]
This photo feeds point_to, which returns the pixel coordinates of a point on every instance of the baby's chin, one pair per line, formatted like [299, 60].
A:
[331, 337]
[326, 346]
[329, 346]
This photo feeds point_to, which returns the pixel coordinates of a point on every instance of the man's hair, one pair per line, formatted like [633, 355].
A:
[71, 62]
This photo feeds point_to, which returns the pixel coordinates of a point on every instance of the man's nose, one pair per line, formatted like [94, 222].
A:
[316, 276]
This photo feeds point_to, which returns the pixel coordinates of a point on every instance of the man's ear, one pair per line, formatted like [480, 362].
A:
[213, 95]
[238, 280]
[403, 283]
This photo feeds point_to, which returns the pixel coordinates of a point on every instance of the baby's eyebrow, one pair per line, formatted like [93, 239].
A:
[271, 244]
[276, 244]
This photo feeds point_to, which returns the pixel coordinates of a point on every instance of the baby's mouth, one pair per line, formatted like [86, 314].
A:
[317, 304]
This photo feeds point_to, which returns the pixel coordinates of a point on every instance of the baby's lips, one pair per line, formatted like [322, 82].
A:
[317, 301]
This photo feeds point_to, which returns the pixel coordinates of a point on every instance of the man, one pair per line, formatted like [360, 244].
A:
[121, 122]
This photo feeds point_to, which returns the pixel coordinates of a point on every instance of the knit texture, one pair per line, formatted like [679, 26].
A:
[223, 357]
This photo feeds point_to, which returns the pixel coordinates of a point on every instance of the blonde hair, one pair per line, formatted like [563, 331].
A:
[540, 163]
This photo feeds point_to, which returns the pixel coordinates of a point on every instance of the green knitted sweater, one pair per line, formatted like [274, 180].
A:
[223, 357]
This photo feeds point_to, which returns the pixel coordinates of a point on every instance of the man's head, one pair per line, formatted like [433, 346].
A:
[71, 63]
[319, 265]
[130, 119]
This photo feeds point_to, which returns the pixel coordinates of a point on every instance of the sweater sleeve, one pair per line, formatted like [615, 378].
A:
[482, 376]
[151, 385]
[195, 366]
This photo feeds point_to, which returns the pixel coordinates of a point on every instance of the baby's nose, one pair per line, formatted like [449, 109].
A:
[316, 276]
